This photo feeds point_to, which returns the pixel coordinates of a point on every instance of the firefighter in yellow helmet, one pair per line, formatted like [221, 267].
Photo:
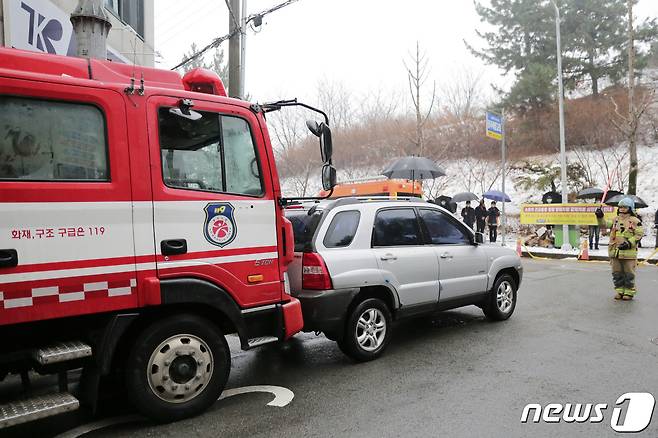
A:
[625, 233]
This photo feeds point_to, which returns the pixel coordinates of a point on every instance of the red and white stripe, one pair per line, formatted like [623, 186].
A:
[39, 295]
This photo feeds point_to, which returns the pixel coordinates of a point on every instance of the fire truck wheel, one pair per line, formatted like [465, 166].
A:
[367, 331]
[177, 367]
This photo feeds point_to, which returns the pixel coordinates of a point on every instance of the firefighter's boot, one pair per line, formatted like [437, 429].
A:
[618, 281]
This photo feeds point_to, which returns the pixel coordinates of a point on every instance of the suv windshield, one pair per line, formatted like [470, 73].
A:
[304, 226]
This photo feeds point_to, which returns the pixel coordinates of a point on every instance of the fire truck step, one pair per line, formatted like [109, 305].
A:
[255, 342]
[62, 352]
[35, 408]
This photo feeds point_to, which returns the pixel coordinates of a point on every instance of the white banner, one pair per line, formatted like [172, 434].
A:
[38, 25]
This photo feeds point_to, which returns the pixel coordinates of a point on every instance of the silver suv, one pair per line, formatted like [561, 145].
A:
[362, 263]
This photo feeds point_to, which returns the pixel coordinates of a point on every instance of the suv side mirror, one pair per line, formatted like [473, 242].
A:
[328, 177]
[479, 238]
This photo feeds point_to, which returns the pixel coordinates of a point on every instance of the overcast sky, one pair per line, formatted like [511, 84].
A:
[359, 42]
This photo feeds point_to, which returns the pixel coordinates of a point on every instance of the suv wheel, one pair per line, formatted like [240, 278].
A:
[502, 299]
[367, 331]
[177, 368]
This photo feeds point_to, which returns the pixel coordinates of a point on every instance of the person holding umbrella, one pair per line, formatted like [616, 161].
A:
[468, 214]
[625, 233]
[493, 219]
[481, 216]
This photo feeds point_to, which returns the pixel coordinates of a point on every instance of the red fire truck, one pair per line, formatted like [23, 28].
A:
[141, 221]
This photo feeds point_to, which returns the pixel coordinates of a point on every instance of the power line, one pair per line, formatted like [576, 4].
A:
[217, 41]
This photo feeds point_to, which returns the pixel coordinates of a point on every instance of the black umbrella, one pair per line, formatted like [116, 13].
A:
[551, 198]
[611, 194]
[446, 202]
[639, 203]
[465, 196]
[590, 192]
[413, 168]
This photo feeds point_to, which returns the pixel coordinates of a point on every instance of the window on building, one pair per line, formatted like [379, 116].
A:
[130, 12]
[214, 153]
[51, 141]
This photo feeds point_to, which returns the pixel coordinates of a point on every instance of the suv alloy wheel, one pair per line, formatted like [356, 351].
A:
[368, 330]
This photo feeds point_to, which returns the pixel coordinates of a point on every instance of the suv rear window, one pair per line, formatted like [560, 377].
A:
[342, 229]
[304, 226]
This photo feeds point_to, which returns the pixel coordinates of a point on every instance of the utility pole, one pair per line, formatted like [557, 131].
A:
[563, 156]
[503, 146]
[234, 50]
[632, 115]
[243, 47]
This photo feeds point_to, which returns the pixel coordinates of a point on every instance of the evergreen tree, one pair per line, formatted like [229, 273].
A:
[596, 41]
[593, 43]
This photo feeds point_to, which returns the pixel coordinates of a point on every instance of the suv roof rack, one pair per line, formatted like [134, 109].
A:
[361, 199]
[351, 200]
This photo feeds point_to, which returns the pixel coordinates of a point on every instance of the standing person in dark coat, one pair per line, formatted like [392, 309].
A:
[468, 214]
[493, 219]
[481, 216]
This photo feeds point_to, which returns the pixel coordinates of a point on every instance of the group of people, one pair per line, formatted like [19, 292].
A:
[482, 217]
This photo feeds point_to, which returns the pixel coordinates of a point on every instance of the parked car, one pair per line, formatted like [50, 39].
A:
[360, 264]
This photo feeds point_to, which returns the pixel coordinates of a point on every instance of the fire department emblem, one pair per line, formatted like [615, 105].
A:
[220, 228]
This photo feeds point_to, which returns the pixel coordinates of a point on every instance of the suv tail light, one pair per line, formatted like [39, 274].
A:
[315, 274]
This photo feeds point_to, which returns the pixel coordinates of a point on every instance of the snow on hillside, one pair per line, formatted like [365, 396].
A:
[458, 179]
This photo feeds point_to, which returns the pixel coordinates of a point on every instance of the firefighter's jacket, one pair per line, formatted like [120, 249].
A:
[625, 227]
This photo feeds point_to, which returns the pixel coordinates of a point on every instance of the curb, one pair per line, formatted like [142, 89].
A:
[559, 256]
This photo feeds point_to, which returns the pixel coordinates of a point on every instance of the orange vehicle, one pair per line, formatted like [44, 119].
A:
[376, 187]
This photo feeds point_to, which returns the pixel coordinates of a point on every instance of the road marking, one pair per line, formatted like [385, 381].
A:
[282, 396]
[97, 425]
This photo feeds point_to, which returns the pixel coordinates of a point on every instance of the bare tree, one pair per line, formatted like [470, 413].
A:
[378, 106]
[461, 96]
[335, 99]
[417, 75]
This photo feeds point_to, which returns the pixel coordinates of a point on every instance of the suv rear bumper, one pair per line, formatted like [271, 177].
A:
[324, 311]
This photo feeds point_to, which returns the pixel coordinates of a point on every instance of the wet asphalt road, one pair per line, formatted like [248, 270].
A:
[455, 374]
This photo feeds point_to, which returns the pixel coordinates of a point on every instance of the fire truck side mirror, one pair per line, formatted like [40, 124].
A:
[328, 177]
[323, 131]
[326, 146]
[313, 126]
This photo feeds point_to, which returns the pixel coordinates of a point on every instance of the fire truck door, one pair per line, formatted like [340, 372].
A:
[66, 202]
[214, 209]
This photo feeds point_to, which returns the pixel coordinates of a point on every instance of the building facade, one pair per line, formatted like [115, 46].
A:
[45, 25]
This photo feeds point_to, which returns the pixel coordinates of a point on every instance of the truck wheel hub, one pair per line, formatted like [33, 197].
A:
[180, 368]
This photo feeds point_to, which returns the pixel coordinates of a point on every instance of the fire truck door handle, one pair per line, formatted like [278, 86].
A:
[8, 258]
[173, 246]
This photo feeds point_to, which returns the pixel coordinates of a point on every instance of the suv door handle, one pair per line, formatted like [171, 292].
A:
[445, 255]
[173, 246]
[8, 258]
[388, 257]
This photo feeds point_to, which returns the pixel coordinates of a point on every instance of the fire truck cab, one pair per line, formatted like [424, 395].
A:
[141, 222]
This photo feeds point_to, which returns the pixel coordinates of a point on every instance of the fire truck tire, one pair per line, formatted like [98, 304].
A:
[177, 367]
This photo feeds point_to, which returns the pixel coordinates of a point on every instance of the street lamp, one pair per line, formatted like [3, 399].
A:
[563, 157]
